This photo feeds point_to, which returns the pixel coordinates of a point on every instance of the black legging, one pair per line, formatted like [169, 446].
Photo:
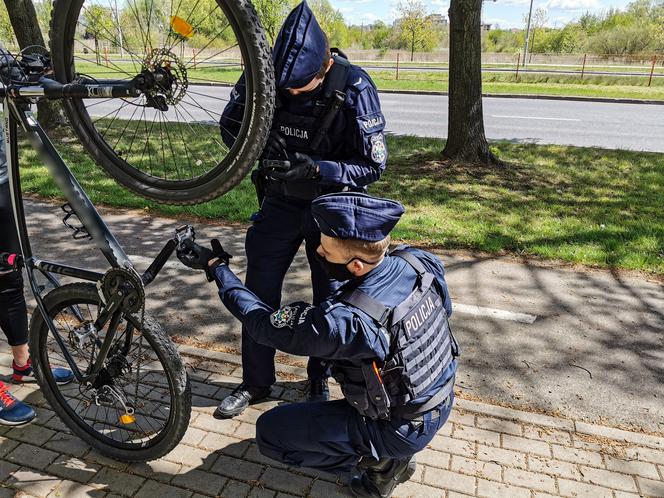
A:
[13, 312]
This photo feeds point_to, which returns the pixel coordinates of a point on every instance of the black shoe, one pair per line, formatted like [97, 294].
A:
[318, 390]
[236, 402]
[381, 477]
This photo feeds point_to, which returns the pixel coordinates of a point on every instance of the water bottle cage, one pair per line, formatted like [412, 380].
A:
[70, 221]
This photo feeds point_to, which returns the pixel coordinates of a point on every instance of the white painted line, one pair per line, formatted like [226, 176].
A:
[535, 117]
[493, 313]
[461, 308]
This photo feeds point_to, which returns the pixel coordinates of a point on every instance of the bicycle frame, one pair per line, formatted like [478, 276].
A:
[17, 113]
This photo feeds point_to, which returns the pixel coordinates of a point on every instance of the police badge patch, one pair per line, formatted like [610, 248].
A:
[378, 149]
[284, 317]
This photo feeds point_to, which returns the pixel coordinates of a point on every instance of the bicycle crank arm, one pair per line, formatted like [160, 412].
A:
[181, 234]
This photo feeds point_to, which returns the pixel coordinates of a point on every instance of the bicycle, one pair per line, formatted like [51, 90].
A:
[131, 397]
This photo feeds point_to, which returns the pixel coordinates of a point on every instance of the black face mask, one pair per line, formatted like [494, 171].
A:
[304, 96]
[340, 271]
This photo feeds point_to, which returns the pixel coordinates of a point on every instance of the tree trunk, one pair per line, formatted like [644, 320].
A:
[466, 138]
[23, 17]
[412, 48]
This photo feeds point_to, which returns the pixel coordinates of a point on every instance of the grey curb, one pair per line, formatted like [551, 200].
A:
[505, 96]
[474, 406]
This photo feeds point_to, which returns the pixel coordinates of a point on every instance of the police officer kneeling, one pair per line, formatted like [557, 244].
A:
[385, 334]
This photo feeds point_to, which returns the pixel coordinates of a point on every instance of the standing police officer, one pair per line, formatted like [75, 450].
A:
[327, 137]
[385, 333]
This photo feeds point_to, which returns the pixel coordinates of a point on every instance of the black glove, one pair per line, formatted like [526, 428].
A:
[302, 168]
[275, 148]
[198, 257]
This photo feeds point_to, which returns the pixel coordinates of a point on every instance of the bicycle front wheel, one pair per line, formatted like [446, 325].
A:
[166, 145]
[137, 408]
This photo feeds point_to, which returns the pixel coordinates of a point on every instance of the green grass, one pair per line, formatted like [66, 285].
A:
[632, 87]
[590, 206]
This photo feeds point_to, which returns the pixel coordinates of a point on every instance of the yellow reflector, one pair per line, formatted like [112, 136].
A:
[181, 27]
[127, 419]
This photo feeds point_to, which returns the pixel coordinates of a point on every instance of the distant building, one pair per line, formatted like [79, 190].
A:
[486, 27]
[438, 20]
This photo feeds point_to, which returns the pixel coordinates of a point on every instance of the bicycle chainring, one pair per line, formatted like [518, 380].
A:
[118, 281]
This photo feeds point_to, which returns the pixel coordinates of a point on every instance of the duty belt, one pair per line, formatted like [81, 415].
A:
[306, 190]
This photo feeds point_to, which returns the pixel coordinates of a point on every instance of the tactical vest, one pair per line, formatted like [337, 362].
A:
[421, 348]
[309, 133]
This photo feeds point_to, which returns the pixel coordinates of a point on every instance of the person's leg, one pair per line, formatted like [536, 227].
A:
[13, 310]
[327, 436]
[396, 443]
[271, 245]
[323, 287]
[13, 316]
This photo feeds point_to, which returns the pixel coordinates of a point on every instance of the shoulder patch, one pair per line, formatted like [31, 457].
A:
[378, 148]
[289, 316]
[358, 78]
[284, 317]
[372, 122]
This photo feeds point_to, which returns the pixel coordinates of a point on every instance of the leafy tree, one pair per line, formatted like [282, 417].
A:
[331, 21]
[44, 9]
[98, 25]
[272, 14]
[6, 30]
[416, 27]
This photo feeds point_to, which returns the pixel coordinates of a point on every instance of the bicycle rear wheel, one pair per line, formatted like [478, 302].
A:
[137, 408]
[166, 145]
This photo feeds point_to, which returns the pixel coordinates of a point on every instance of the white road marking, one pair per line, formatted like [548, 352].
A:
[467, 309]
[535, 117]
[493, 313]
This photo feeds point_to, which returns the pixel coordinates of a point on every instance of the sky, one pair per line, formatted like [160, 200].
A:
[504, 13]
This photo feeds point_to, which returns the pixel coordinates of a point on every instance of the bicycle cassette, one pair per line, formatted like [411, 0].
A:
[121, 282]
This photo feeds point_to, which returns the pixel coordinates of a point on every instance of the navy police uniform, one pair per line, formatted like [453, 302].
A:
[340, 126]
[386, 336]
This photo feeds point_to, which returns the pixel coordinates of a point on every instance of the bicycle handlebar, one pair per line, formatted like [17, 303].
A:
[51, 89]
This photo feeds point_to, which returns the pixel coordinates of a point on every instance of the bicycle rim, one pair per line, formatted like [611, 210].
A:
[167, 141]
[132, 403]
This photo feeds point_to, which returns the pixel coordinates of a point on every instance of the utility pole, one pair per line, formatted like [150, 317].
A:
[117, 22]
[530, 15]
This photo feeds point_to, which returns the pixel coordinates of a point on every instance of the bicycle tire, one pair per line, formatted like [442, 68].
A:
[79, 294]
[239, 159]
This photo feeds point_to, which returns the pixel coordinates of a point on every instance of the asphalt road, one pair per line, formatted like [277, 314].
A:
[584, 344]
[594, 124]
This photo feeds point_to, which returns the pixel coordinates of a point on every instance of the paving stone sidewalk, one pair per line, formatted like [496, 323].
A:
[484, 450]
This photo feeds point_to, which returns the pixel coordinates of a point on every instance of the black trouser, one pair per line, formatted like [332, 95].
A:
[13, 311]
[271, 244]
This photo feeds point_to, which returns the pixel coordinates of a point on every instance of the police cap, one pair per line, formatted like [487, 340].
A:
[300, 49]
[358, 216]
